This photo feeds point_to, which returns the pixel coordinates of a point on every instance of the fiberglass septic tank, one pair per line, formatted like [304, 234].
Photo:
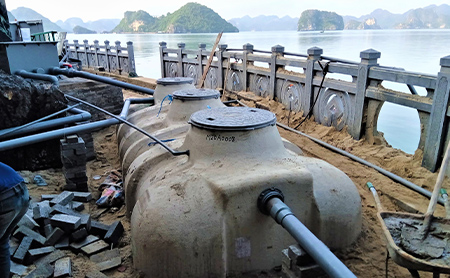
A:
[140, 114]
[197, 215]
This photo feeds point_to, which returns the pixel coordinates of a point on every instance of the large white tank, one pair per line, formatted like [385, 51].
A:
[143, 114]
[197, 215]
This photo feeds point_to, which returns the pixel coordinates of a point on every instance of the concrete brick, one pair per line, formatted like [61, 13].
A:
[54, 237]
[95, 247]
[21, 253]
[66, 222]
[23, 231]
[62, 199]
[71, 139]
[82, 196]
[48, 197]
[41, 211]
[41, 271]
[28, 222]
[95, 274]
[51, 258]
[99, 229]
[78, 235]
[114, 233]
[63, 268]
[76, 246]
[107, 259]
[77, 206]
[63, 243]
[13, 245]
[299, 256]
[85, 218]
[48, 229]
[38, 252]
[18, 269]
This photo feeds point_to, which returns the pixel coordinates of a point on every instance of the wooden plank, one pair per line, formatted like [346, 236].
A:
[420, 103]
[211, 56]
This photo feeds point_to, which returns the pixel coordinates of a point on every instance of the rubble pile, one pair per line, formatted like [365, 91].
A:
[56, 226]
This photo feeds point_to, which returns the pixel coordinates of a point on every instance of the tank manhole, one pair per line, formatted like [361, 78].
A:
[233, 118]
[174, 81]
[196, 94]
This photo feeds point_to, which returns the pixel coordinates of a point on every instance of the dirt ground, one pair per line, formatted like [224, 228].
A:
[366, 257]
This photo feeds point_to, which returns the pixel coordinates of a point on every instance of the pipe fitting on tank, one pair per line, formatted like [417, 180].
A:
[265, 196]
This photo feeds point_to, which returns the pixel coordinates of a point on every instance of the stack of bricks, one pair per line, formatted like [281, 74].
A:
[55, 227]
[297, 263]
[88, 142]
[73, 157]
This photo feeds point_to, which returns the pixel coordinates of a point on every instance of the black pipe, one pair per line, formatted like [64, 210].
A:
[75, 73]
[271, 202]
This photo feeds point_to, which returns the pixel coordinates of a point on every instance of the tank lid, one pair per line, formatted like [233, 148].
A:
[174, 80]
[233, 118]
[196, 94]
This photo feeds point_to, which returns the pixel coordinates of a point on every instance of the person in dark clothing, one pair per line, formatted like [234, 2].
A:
[14, 201]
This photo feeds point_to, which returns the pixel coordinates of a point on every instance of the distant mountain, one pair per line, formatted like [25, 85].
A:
[29, 14]
[315, 20]
[81, 30]
[265, 23]
[369, 23]
[429, 17]
[191, 18]
[99, 26]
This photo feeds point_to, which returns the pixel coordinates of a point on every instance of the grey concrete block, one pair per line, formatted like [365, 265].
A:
[54, 237]
[99, 229]
[22, 251]
[114, 233]
[95, 247]
[77, 206]
[82, 196]
[66, 222]
[41, 271]
[18, 269]
[48, 197]
[76, 246]
[41, 210]
[48, 229]
[107, 259]
[51, 258]
[28, 222]
[23, 231]
[63, 268]
[63, 243]
[38, 252]
[62, 199]
[78, 235]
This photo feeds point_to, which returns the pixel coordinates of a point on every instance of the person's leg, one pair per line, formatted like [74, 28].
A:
[11, 211]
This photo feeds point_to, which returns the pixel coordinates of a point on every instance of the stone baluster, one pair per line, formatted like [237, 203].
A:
[248, 49]
[118, 47]
[131, 63]
[277, 51]
[438, 124]
[180, 56]
[76, 46]
[201, 48]
[107, 48]
[369, 58]
[220, 74]
[314, 55]
[96, 50]
[86, 47]
[162, 56]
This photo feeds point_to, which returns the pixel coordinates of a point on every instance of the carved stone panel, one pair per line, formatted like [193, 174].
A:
[191, 71]
[211, 79]
[292, 95]
[334, 108]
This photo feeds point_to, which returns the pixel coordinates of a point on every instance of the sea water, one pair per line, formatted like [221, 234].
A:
[413, 50]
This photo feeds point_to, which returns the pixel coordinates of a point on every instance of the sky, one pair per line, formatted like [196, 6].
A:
[90, 10]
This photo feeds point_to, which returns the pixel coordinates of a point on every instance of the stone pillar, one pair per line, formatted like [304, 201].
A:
[369, 58]
[162, 55]
[201, 48]
[277, 51]
[76, 45]
[107, 47]
[180, 55]
[314, 54]
[86, 47]
[248, 49]
[5, 33]
[96, 49]
[131, 62]
[219, 55]
[118, 47]
[435, 140]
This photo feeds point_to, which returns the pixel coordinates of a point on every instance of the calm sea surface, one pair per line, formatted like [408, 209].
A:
[413, 50]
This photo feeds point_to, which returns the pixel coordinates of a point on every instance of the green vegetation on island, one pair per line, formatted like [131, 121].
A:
[191, 18]
[81, 30]
[315, 20]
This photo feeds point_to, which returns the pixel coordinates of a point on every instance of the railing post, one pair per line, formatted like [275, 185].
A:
[436, 135]
[201, 48]
[131, 63]
[314, 54]
[96, 49]
[67, 48]
[277, 51]
[162, 47]
[86, 45]
[219, 54]
[119, 68]
[181, 47]
[369, 58]
[75, 42]
[248, 48]
[107, 47]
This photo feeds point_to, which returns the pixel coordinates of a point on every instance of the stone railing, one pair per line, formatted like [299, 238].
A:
[115, 58]
[294, 80]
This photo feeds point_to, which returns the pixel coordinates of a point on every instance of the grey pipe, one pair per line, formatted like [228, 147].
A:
[40, 76]
[388, 174]
[80, 116]
[55, 134]
[75, 73]
[307, 240]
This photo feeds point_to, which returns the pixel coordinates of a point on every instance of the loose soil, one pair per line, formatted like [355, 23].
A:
[366, 257]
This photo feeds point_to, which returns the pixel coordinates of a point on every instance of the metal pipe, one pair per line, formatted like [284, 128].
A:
[55, 134]
[75, 73]
[271, 201]
[388, 174]
[40, 76]
[172, 151]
